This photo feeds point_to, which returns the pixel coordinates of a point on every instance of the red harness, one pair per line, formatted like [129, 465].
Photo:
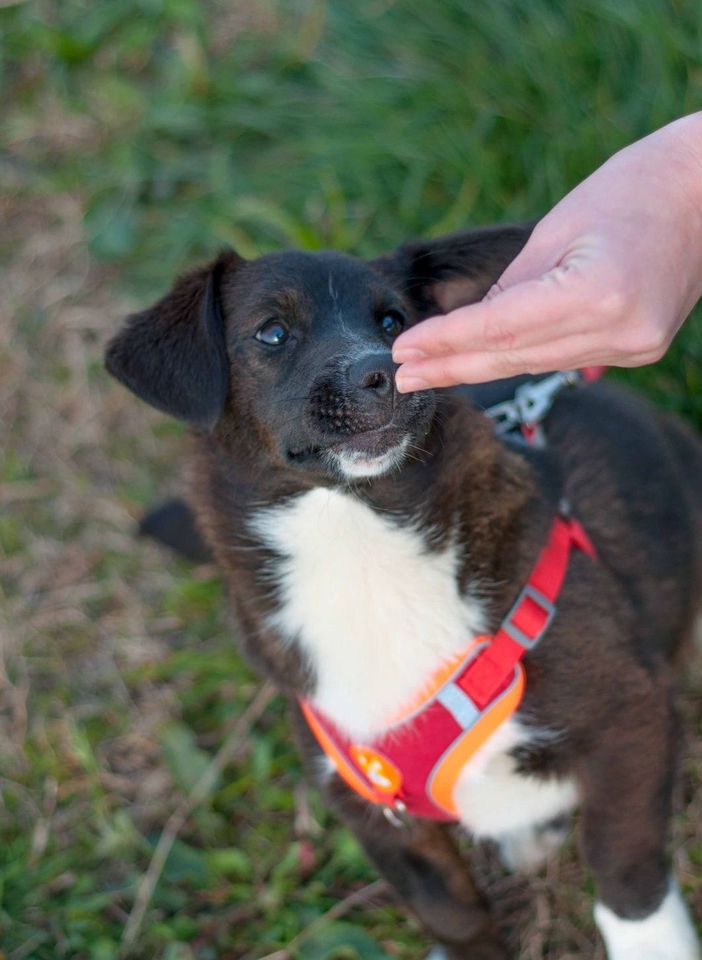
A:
[415, 765]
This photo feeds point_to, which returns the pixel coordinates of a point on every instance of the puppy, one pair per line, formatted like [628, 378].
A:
[468, 629]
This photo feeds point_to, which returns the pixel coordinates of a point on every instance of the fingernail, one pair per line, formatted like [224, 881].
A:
[407, 354]
[406, 384]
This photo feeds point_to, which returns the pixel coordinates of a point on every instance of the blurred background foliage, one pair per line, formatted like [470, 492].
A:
[328, 124]
[139, 136]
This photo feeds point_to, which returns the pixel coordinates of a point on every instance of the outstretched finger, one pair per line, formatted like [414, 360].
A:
[481, 366]
[514, 319]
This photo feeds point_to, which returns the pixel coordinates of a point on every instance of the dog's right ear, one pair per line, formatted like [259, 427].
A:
[448, 272]
[174, 354]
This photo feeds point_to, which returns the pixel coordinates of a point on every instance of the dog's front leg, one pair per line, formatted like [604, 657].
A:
[422, 862]
[626, 812]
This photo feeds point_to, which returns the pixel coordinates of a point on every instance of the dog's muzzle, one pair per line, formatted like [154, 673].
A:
[356, 399]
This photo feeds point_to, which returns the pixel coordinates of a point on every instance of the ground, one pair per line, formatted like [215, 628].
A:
[152, 804]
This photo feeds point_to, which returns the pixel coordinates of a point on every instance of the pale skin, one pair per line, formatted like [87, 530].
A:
[607, 277]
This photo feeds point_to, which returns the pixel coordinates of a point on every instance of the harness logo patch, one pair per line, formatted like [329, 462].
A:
[381, 772]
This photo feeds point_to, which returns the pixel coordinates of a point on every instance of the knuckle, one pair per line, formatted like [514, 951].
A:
[655, 354]
[645, 338]
[510, 363]
[496, 335]
[455, 369]
[444, 338]
[613, 303]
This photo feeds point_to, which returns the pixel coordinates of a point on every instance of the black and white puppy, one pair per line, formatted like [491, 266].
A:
[367, 536]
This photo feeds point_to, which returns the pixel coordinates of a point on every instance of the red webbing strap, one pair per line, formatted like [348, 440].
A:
[592, 373]
[530, 616]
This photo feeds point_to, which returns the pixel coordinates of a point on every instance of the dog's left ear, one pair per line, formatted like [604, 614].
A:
[174, 354]
[440, 275]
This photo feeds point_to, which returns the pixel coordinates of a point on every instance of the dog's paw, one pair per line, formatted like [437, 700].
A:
[666, 934]
[526, 850]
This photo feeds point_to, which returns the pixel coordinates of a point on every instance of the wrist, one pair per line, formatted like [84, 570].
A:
[681, 143]
[682, 140]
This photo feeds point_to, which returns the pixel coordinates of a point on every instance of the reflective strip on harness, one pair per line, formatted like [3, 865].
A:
[459, 705]
[442, 779]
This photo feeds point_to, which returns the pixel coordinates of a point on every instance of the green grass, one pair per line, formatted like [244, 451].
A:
[138, 137]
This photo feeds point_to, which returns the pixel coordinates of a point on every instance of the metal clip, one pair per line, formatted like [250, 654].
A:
[532, 401]
[391, 814]
[505, 416]
[529, 592]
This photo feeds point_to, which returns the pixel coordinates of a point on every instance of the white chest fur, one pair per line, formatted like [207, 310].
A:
[375, 612]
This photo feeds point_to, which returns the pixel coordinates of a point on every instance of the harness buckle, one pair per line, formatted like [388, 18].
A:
[529, 594]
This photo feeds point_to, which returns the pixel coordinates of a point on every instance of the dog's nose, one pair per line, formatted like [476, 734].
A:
[374, 373]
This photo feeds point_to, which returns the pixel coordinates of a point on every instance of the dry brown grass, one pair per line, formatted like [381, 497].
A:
[68, 623]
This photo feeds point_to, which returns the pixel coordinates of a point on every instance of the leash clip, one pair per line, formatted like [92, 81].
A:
[531, 402]
[505, 416]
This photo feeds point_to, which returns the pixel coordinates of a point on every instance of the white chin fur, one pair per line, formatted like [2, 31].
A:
[666, 934]
[355, 465]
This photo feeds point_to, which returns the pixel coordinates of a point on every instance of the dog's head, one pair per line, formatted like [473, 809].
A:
[288, 357]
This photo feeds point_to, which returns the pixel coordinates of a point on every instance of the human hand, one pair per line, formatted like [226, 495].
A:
[606, 278]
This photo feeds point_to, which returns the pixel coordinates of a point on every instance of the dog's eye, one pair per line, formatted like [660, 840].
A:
[392, 323]
[273, 333]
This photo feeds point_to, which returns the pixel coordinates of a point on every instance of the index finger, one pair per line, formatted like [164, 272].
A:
[527, 314]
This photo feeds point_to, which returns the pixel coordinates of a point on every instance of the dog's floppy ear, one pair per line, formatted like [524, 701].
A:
[440, 275]
[174, 354]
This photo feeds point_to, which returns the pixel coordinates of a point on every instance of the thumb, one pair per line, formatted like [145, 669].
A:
[534, 260]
